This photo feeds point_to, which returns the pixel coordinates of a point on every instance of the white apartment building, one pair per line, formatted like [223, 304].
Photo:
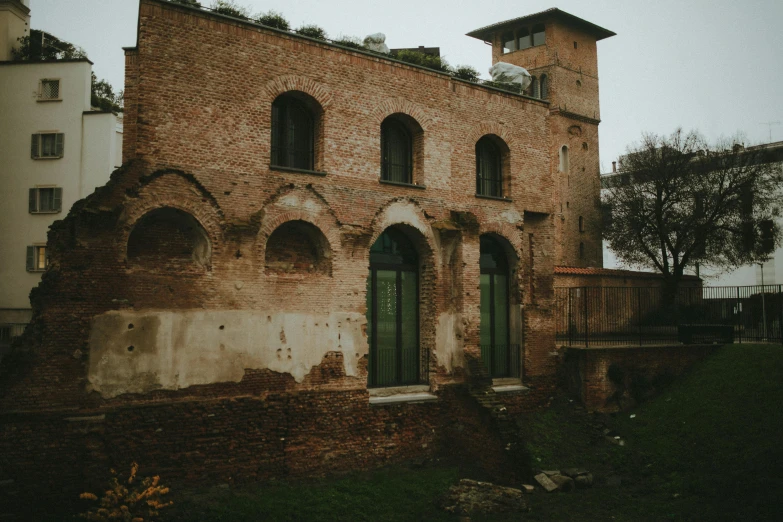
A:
[54, 150]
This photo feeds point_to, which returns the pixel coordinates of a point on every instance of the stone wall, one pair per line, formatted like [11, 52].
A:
[612, 378]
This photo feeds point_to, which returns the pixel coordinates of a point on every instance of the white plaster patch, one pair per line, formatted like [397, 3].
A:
[511, 216]
[137, 352]
[294, 201]
[448, 341]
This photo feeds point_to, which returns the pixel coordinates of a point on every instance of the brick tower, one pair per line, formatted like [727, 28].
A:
[560, 52]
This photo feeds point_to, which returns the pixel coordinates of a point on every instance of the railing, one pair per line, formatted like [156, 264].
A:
[501, 360]
[598, 316]
[9, 331]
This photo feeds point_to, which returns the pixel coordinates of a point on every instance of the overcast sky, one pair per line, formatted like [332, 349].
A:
[711, 65]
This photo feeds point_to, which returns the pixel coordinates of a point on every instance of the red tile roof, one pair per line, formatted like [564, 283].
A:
[610, 272]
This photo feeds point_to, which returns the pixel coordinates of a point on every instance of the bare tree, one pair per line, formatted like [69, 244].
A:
[678, 201]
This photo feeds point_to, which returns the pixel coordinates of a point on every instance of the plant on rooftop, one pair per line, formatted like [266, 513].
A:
[230, 8]
[466, 72]
[40, 45]
[505, 86]
[349, 41]
[424, 60]
[273, 19]
[312, 31]
[103, 97]
[191, 3]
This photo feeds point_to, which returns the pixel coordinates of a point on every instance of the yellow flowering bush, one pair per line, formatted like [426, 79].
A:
[130, 500]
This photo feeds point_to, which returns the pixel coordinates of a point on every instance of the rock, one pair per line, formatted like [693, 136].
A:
[527, 488]
[549, 473]
[573, 472]
[564, 484]
[546, 482]
[583, 481]
[470, 496]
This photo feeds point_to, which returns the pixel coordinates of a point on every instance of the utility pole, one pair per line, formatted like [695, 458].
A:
[769, 124]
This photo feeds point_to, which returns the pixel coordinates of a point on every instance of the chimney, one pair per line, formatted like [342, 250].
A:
[614, 166]
[15, 23]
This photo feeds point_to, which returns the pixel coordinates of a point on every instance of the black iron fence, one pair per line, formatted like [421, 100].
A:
[612, 316]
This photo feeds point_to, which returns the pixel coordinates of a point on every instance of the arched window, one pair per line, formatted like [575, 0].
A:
[396, 151]
[293, 133]
[544, 87]
[393, 312]
[489, 168]
[169, 239]
[563, 167]
[499, 357]
[534, 88]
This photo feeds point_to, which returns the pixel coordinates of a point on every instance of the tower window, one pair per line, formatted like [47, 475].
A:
[544, 87]
[575, 46]
[581, 250]
[581, 224]
[509, 43]
[539, 36]
[524, 38]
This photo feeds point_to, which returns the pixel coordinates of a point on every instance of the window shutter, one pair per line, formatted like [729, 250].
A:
[32, 203]
[57, 205]
[30, 258]
[58, 146]
[34, 146]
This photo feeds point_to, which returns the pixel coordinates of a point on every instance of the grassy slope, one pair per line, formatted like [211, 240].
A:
[710, 448]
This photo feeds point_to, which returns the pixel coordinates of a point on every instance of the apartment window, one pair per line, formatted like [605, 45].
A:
[489, 168]
[45, 200]
[293, 133]
[37, 258]
[47, 145]
[49, 89]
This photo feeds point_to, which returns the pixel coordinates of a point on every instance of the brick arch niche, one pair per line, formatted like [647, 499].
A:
[297, 248]
[169, 239]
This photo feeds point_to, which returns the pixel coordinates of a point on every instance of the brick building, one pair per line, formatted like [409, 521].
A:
[310, 258]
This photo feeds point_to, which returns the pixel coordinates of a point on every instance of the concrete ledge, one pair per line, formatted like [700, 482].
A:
[403, 397]
[510, 388]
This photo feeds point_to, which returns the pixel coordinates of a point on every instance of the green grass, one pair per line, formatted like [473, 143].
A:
[709, 448]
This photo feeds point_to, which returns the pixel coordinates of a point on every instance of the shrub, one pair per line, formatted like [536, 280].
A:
[505, 86]
[192, 3]
[312, 31]
[138, 500]
[273, 19]
[230, 8]
[350, 41]
[425, 60]
[466, 72]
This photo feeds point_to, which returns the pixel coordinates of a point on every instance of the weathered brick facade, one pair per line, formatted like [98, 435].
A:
[204, 313]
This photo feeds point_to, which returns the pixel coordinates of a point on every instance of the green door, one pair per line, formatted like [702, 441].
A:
[392, 312]
[494, 331]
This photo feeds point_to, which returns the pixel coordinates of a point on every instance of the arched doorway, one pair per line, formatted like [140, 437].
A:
[393, 312]
[500, 359]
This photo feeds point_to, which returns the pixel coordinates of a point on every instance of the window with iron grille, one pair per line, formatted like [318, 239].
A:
[535, 92]
[489, 168]
[293, 133]
[49, 90]
[396, 152]
[37, 258]
[43, 200]
[47, 145]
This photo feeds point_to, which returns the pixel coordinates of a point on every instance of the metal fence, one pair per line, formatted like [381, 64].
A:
[612, 316]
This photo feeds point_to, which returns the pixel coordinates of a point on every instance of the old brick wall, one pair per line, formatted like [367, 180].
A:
[160, 324]
[642, 370]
